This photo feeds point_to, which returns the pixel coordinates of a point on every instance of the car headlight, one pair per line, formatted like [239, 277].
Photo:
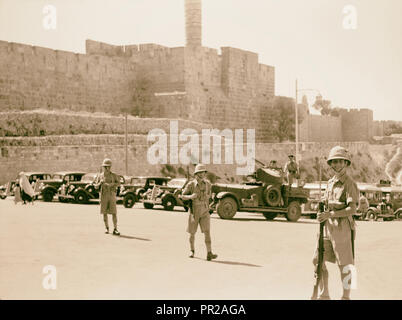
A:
[41, 186]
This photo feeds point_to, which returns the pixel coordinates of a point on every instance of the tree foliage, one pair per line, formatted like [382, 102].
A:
[393, 128]
[282, 119]
[325, 108]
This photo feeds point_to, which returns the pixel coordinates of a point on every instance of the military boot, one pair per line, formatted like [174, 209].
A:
[211, 256]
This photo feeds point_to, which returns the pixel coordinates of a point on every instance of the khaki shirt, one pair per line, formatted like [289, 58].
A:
[112, 179]
[341, 190]
[203, 191]
[291, 167]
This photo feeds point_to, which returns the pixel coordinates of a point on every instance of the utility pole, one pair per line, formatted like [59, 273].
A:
[126, 143]
[296, 129]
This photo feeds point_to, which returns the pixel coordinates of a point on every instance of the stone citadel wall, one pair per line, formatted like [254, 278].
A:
[227, 90]
[49, 123]
[86, 153]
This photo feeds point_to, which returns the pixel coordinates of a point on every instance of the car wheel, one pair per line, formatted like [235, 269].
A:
[148, 205]
[90, 189]
[81, 197]
[372, 216]
[129, 200]
[294, 211]
[47, 196]
[226, 208]
[270, 215]
[272, 196]
[168, 203]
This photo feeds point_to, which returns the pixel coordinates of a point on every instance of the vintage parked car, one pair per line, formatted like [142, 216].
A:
[82, 191]
[135, 189]
[310, 208]
[265, 192]
[3, 191]
[166, 196]
[34, 179]
[375, 193]
[49, 188]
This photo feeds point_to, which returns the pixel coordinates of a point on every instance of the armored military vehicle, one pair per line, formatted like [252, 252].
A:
[264, 192]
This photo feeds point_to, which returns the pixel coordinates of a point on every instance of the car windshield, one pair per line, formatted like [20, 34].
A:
[176, 183]
[138, 181]
[89, 177]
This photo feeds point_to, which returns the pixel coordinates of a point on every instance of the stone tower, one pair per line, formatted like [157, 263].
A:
[193, 23]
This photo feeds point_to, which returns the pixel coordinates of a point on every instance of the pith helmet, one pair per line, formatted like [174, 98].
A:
[200, 168]
[339, 152]
[107, 163]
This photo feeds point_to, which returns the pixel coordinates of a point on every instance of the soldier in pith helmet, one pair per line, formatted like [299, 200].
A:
[341, 197]
[199, 192]
[291, 170]
[108, 182]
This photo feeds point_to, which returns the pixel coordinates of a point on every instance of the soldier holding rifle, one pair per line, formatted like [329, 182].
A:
[199, 192]
[339, 229]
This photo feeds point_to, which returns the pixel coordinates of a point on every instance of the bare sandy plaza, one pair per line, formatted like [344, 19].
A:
[257, 259]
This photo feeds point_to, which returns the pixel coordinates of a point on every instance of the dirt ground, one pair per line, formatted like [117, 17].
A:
[257, 259]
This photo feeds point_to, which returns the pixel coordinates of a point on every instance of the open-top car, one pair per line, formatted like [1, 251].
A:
[49, 187]
[134, 190]
[264, 192]
[166, 196]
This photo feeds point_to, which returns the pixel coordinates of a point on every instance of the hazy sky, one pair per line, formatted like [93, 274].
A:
[303, 39]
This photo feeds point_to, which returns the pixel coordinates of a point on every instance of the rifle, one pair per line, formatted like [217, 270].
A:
[318, 267]
[260, 162]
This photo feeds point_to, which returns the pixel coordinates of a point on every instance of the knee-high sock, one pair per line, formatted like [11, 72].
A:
[105, 219]
[114, 220]
[208, 241]
[192, 240]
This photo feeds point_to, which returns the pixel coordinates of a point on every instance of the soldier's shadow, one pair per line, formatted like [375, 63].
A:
[133, 238]
[234, 263]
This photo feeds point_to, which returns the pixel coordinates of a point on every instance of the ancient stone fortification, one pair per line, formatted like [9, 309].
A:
[351, 125]
[49, 123]
[227, 90]
[75, 152]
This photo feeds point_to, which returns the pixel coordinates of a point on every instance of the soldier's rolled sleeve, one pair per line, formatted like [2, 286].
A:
[188, 190]
[352, 192]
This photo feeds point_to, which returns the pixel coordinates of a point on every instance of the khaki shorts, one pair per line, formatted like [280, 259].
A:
[329, 254]
[339, 252]
[203, 220]
[108, 206]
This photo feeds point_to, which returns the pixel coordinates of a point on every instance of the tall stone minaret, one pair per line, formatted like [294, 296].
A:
[193, 23]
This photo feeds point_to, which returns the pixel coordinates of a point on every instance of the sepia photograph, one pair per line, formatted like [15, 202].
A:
[200, 150]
